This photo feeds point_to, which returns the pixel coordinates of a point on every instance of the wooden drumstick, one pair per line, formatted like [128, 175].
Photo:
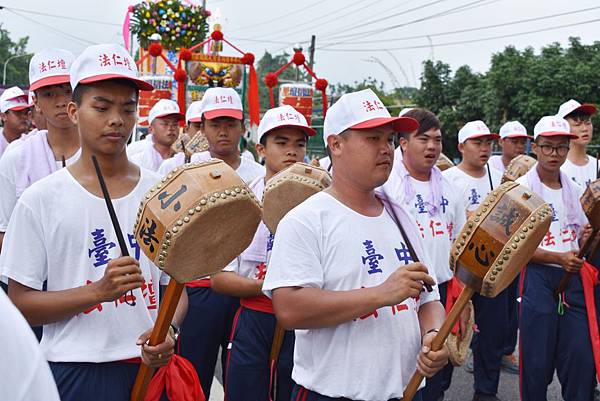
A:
[583, 252]
[113, 216]
[490, 176]
[64, 162]
[185, 154]
[440, 339]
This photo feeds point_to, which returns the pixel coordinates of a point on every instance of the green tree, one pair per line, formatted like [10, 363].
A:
[17, 69]
[271, 63]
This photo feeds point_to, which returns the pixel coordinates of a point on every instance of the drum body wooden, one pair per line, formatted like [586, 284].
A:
[198, 143]
[518, 167]
[590, 202]
[290, 187]
[500, 238]
[197, 220]
[444, 162]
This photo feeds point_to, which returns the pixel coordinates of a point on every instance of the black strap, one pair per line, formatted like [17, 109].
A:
[490, 176]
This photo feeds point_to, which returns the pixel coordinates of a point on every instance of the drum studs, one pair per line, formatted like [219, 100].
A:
[191, 212]
[462, 242]
[484, 209]
[168, 234]
[161, 263]
[516, 239]
[244, 192]
[505, 257]
[532, 220]
[227, 192]
[152, 189]
[198, 208]
[530, 226]
[163, 253]
[522, 236]
[179, 222]
[164, 246]
[476, 220]
[492, 199]
[170, 175]
[212, 199]
[493, 278]
[203, 202]
[470, 225]
[168, 242]
[524, 229]
[164, 179]
[175, 229]
[514, 245]
[223, 196]
[186, 219]
[238, 190]
[501, 262]
[147, 196]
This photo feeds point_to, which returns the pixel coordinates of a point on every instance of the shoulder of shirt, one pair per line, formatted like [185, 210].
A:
[310, 208]
[10, 156]
[149, 177]
[251, 164]
[47, 187]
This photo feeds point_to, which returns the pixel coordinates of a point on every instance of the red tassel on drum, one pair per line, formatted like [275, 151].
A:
[589, 279]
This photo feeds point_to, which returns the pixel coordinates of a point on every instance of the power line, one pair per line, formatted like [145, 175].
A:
[271, 19]
[476, 28]
[59, 16]
[80, 40]
[421, 19]
[469, 40]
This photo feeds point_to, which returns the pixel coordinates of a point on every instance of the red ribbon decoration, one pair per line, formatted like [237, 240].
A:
[453, 291]
[589, 279]
[180, 380]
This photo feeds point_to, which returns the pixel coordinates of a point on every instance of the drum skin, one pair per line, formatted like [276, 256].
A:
[518, 167]
[444, 162]
[500, 238]
[290, 187]
[196, 220]
[590, 202]
[458, 350]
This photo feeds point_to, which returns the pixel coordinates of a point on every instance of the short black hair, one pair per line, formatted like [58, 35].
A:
[203, 120]
[81, 89]
[426, 119]
[578, 115]
[263, 139]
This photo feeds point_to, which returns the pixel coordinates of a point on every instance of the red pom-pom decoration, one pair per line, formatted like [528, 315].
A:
[321, 84]
[130, 9]
[298, 58]
[180, 75]
[248, 58]
[155, 49]
[271, 80]
[216, 35]
[185, 54]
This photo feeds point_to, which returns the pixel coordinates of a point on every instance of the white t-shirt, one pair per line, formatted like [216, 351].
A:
[149, 158]
[469, 190]
[323, 244]
[252, 262]
[560, 237]
[3, 142]
[138, 146]
[325, 163]
[248, 169]
[582, 175]
[437, 231]
[24, 372]
[248, 155]
[495, 161]
[61, 233]
[19, 142]
[10, 166]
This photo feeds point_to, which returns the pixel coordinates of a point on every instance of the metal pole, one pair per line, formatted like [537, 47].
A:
[311, 52]
[6, 64]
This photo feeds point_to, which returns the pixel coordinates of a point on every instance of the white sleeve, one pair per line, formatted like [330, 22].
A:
[459, 216]
[137, 158]
[166, 167]
[295, 260]
[233, 266]
[23, 256]
[8, 192]
[427, 296]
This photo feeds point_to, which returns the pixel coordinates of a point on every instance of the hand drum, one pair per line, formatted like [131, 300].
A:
[444, 162]
[290, 187]
[518, 167]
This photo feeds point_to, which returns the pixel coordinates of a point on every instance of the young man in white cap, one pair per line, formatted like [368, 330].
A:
[552, 339]
[513, 141]
[99, 307]
[579, 166]
[472, 180]
[342, 275]
[39, 155]
[417, 184]
[282, 137]
[210, 315]
[15, 115]
[164, 120]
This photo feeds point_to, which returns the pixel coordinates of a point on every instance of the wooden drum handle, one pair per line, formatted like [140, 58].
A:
[440, 339]
[159, 333]
[564, 281]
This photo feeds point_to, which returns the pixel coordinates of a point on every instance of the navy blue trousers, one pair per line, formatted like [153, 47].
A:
[301, 394]
[78, 381]
[492, 319]
[206, 328]
[512, 328]
[436, 386]
[248, 371]
[549, 341]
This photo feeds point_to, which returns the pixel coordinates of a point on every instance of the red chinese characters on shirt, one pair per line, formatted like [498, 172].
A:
[261, 271]
[148, 293]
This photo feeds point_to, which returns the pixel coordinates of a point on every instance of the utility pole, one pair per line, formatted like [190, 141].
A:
[311, 53]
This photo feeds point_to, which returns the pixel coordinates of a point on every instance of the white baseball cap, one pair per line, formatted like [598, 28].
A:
[13, 99]
[50, 67]
[283, 116]
[553, 126]
[404, 111]
[103, 62]
[573, 105]
[513, 129]
[362, 110]
[473, 130]
[163, 108]
[194, 112]
[221, 102]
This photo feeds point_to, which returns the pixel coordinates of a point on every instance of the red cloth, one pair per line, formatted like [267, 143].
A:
[253, 98]
[589, 279]
[202, 283]
[453, 291]
[180, 380]
[262, 303]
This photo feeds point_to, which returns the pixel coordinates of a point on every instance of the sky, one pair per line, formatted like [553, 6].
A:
[385, 39]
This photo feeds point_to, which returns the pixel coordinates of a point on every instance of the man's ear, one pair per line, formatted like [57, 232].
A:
[261, 150]
[461, 147]
[534, 148]
[72, 110]
[403, 143]
[334, 144]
